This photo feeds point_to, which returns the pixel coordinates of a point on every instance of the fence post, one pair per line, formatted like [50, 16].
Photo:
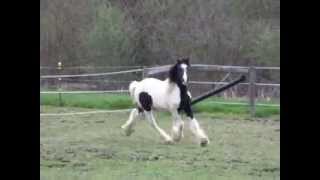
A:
[59, 83]
[252, 90]
[142, 72]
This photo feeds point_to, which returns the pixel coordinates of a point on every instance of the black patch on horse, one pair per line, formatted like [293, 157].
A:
[175, 75]
[145, 100]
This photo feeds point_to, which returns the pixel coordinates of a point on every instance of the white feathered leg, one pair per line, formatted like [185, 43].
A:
[128, 126]
[198, 132]
[177, 127]
[154, 124]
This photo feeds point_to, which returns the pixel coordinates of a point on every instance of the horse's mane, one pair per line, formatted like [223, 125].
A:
[173, 74]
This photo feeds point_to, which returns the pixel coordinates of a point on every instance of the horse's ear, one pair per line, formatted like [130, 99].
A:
[186, 61]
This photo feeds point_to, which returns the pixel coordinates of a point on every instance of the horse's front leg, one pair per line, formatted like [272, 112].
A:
[177, 127]
[198, 131]
[195, 127]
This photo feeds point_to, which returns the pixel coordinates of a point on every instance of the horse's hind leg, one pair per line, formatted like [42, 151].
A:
[154, 124]
[128, 126]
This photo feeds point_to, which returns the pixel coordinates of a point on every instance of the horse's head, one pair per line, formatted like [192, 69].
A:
[179, 72]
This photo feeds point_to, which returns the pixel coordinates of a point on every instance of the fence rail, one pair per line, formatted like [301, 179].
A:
[202, 67]
[83, 92]
[223, 83]
[89, 75]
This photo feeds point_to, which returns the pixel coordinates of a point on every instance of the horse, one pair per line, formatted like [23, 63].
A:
[171, 95]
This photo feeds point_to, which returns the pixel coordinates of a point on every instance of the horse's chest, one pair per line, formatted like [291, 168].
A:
[173, 98]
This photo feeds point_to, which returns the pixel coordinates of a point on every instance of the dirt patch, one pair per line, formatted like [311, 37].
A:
[53, 165]
[259, 172]
[105, 154]
[145, 156]
[101, 121]
[238, 161]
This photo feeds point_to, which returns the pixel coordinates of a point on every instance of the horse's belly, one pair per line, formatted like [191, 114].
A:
[159, 102]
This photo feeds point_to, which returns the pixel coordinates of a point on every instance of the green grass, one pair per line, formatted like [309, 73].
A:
[98, 101]
[210, 106]
[92, 147]
[116, 101]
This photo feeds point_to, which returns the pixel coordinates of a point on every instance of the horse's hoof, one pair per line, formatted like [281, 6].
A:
[204, 142]
[169, 142]
[177, 139]
[128, 132]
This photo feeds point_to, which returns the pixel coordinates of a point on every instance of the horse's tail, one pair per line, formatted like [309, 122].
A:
[132, 87]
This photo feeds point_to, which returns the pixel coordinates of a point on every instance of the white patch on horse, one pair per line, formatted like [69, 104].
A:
[189, 94]
[184, 77]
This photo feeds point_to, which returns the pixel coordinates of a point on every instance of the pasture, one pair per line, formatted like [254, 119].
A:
[93, 147]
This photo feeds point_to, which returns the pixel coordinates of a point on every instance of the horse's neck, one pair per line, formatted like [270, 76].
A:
[174, 86]
[170, 85]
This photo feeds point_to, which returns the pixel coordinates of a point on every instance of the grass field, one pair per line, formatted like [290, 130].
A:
[92, 147]
[118, 101]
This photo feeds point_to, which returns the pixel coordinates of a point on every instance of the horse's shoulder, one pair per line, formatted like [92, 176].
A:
[151, 80]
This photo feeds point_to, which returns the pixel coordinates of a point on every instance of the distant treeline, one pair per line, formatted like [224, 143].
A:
[155, 32]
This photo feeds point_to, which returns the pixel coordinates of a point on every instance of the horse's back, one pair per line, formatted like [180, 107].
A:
[152, 86]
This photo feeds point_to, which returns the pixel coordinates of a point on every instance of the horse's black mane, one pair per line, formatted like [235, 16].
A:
[175, 77]
[175, 71]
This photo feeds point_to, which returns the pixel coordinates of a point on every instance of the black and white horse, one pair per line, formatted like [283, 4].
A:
[170, 95]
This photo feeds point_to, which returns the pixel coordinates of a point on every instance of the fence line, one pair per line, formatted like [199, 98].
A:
[85, 113]
[91, 80]
[160, 69]
[90, 67]
[245, 104]
[90, 75]
[237, 69]
[83, 92]
[222, 83]
[162, 66]
[267, 68]
[126, 91]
